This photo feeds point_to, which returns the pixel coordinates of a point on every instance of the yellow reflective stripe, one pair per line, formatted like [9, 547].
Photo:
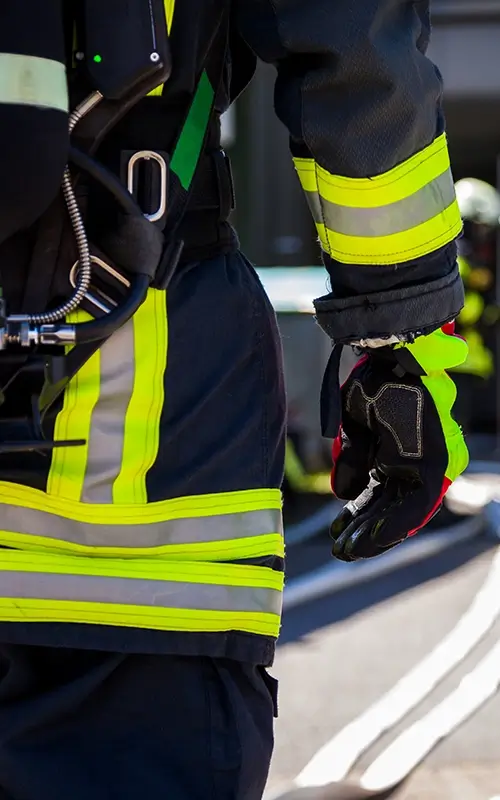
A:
[228, 550]
[134, 514]
[215, 528]
[154, 569]
[270, 544]
[140, 592]
[107, 426]
[23, 610]
[397, 184]
[33, 81]
[169, 15]
[67, 471]
[142, 420]
[200, 591]
[385, 220]
[113, 464]
[400, 215]
[404, 246]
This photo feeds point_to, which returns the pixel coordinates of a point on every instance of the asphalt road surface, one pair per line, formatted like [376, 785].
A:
[340, 654]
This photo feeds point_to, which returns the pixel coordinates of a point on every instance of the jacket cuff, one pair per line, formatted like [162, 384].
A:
[405, 312]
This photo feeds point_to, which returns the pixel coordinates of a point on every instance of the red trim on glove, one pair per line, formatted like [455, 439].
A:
[449, 329]
[444, 488]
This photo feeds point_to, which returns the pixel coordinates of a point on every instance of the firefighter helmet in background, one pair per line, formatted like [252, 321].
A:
[478, 201]
[479, 205]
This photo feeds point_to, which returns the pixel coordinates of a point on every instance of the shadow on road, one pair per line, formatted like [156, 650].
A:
[302, 620]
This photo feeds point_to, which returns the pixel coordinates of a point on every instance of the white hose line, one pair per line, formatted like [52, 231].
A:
[417, 741]
[334, 761]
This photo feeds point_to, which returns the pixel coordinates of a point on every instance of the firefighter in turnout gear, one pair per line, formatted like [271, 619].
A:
[143, 413]
[479, 205]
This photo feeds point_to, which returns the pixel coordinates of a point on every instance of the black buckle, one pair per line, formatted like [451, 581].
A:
[107, 289]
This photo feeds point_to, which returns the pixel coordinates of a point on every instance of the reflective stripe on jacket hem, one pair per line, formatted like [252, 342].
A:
[153, 593]
[162, 565]
[229, 526]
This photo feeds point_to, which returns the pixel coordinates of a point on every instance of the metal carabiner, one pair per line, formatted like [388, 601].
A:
[73, 277]
[150, 155]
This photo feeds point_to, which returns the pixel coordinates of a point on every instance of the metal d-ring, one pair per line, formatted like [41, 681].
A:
[150, 155]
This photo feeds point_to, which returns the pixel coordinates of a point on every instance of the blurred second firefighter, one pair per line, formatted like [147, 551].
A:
[479, 204]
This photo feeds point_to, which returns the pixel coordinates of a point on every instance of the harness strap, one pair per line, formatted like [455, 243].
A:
[184, 163]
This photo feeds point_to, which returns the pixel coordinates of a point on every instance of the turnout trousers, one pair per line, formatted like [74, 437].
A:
[96, 710]
[90, 725]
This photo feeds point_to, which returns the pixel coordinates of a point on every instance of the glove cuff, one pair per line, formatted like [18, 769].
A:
[398, 315]
[432, 354]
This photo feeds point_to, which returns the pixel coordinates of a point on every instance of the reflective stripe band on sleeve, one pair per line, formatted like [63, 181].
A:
[33, 81]
[406, 213]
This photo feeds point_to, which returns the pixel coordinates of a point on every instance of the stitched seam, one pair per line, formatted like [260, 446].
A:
[325, 226]
[398, 252]
[330, 179]
[371, 402]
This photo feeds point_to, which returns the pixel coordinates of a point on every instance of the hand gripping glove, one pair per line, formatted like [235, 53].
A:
[397, 448]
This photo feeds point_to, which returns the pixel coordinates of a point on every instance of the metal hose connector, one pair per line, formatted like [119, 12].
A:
[84, 260]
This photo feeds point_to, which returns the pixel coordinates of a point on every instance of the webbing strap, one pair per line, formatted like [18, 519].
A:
[193, 134]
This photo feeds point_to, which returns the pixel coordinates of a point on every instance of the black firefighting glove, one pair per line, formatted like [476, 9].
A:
[397, 448]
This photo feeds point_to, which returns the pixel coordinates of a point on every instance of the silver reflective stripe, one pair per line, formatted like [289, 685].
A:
[107, 426]
[194, 530]
[398, 217]
[140, 592]
[33, 81]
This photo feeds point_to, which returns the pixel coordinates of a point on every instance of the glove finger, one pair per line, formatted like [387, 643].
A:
[353, 455]
[386, 520]
[355, 519]
[417, 505]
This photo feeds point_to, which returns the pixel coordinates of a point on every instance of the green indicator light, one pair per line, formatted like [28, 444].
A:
[97, 59]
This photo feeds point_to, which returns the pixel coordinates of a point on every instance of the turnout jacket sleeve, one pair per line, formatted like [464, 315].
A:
[362, 103]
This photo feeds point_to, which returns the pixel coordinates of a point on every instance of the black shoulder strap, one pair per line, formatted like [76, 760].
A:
[184, 162]
[192, 137]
